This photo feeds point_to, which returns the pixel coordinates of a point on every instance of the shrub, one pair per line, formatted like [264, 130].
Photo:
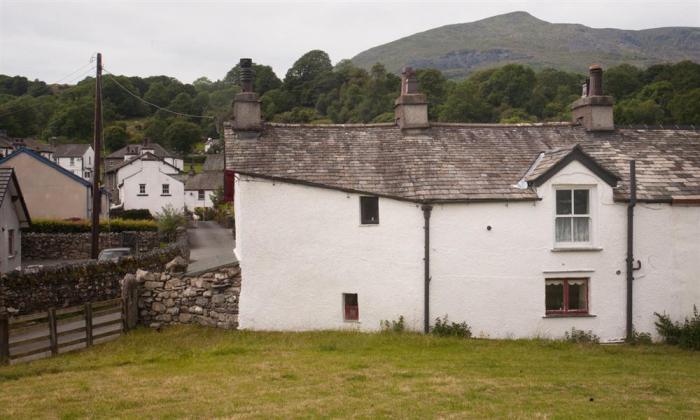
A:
[169, 219]
[393, 326]
[205, 213]
[85, 226]
[134, 214]
[444, 328]
[581, 336]
[639, 338]
[686, 334]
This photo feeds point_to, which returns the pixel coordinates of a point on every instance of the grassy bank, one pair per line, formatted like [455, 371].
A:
[201, 372]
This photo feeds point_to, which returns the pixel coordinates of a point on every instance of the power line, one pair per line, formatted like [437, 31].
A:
[182, 114]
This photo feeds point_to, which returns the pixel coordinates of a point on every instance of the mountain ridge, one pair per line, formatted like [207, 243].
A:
[518, 37]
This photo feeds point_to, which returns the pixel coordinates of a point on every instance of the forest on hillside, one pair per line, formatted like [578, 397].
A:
[315, 91]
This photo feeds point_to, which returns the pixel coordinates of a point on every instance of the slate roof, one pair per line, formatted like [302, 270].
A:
[145, 156]
[461, 162]
[550, 162]
[71, 150]
[210, 180]
[214, 163]
[158, 150]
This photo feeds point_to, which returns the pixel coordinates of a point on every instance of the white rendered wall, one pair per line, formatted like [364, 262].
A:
[9, 220]
[153, 174]
[192, 200]
[301, 248]
[76, 168]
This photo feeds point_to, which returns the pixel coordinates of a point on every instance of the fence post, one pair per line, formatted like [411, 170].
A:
[130, 297]
[88, 324]
[4, 340]
[53, 333]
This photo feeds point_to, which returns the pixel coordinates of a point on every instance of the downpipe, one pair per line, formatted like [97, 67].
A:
[630, 249]
[427, 209]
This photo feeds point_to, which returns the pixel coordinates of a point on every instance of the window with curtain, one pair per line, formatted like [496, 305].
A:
[566, 296]
[573, 219]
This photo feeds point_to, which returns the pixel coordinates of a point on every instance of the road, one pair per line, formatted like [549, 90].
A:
[210, 245]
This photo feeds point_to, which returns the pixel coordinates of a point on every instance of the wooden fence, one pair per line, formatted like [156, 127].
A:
[55, 331]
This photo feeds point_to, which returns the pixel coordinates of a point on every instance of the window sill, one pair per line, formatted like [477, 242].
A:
[11, 257]
[166, 195]
[352, 321]
[576, 249]
[569, 316]
[369, 224]
[142, 195]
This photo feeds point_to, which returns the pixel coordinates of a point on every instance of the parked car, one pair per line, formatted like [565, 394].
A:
[113, 254]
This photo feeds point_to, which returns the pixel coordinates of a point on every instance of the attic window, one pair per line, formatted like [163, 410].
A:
[369, 210]
[573, 218]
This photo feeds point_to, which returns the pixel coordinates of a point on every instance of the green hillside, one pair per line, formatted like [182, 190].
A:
[519, 37]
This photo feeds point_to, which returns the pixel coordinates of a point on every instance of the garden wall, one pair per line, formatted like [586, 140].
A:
[209, 298]
[77, 246]
[75, 284]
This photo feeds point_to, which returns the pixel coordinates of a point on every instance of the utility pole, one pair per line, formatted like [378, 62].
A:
[97, 146]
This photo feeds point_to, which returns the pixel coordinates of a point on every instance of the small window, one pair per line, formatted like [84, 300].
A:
[566, 296]
[72, 161]
[573, 219]
[88, 174]
[369, 210]
[142, 189]
[351, 311]
[166, 189]
[11, 242]
[200, 195]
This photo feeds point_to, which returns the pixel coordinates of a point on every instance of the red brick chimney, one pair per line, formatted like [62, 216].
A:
[411, 107]
[593, 110]
[246, 105]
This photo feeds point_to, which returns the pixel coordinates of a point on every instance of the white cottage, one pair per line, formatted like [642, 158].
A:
[77, 158]
[518, 230]
[147, 182]
[13, 217]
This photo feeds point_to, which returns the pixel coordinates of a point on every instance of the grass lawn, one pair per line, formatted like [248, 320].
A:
[191, 371]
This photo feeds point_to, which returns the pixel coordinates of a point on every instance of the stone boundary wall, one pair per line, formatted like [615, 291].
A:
[75, 284]
[77, 246]
[172, 297]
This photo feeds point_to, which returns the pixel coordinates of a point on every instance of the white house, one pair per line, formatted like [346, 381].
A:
[76, 158]
[518, 230]
[201, 187]
[147, 182]
[131, 151]
[13, 216]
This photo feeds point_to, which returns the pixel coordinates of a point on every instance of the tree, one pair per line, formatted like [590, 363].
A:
[685, 108]
[622, 81]
[303, 78]
[115, 137]
[265, 78]
[181, 135]
[466, 104]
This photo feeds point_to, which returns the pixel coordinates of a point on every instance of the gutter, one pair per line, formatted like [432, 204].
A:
[630, 248]
[427, 209]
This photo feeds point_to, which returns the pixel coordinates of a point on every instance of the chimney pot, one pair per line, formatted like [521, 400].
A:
[595, 74]
[593, 110]
[246, 76]
[409, 82]
[246, 105]
[411, 107]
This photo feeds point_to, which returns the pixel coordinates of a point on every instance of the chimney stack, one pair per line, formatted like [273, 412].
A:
[411, 108]
[594, 111]
[246, 105]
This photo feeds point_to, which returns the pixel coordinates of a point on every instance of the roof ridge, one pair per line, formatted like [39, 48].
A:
[306, 125]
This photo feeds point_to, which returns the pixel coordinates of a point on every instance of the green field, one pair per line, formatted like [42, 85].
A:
[202, 373]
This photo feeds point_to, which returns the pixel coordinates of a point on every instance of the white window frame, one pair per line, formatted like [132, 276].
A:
[591, 215]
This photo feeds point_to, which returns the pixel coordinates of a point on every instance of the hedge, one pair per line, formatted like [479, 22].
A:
[82, 226]
[134, 214]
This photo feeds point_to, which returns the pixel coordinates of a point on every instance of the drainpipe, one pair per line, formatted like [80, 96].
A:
[426, 264]
[630, 246]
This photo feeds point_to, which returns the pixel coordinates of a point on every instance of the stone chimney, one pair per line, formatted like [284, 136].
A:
[594, 111]
[246, 105]
[411, 108]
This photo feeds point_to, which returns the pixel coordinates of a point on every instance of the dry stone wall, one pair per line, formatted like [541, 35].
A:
[77, 246]
[172, 297]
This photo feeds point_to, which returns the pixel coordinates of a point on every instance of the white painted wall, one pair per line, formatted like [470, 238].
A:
[9, 220]
[302, 247]
[76, 167]
[192, 200]
[154, 174]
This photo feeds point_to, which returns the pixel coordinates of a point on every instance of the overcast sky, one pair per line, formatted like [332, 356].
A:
[188, 39]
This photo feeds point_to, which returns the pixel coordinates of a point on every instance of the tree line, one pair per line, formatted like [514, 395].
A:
[315, 91]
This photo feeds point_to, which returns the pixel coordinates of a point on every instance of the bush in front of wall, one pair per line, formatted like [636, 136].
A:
[169, 219]
[133, 214]
[639, 338]
[85, 226]
[393, 326]
[685, 334]
[444, 328]
[581, 337]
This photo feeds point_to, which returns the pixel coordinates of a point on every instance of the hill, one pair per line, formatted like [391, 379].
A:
[519, 37]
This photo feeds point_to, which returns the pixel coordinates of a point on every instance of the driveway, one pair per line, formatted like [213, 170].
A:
[210, 246]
